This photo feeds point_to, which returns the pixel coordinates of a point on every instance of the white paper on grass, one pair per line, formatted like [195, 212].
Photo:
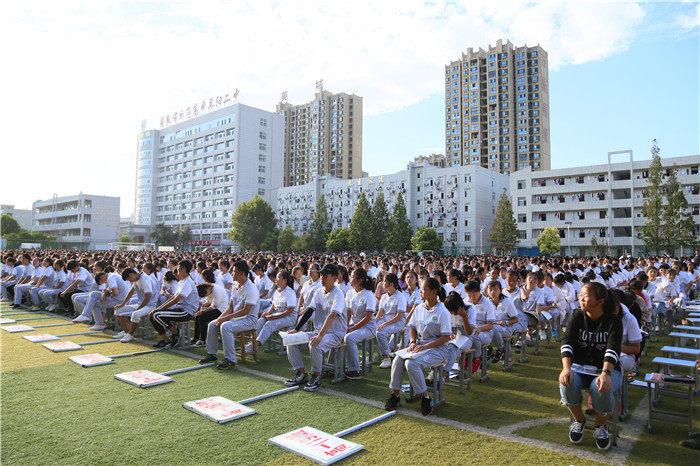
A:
[40, 337]
[218, 409]
[290, 339]
[5, 320]
[61, 346]
[316, 445]
[17, 328]
[89, 360]
[143, 379]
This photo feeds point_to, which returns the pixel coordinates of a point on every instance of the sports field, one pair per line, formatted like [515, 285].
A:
[56, 412]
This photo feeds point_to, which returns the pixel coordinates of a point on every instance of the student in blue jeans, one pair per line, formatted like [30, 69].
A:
[593, 338]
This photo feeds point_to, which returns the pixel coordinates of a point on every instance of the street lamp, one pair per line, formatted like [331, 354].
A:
[481, 239]
[568, 237]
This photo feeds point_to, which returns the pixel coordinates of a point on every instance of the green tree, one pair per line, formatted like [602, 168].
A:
[124, 238]
[301, 243]
[678, 225]
[652, 206]
[338, 240]
[362, 226]
[183, 235]
[504, 231]
[162, 235]
[251, 222]
[285, 241]
[270, 242]
[380, 219]
[426, 239]
[320, 226]
[549, 241]
[399, 229]
[8, 225]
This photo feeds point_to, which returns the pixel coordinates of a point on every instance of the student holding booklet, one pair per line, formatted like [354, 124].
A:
[361, 304]
[430, 331]
[463, 318]
[282, 312]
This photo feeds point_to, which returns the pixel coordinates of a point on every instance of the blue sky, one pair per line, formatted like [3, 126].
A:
[85, 74]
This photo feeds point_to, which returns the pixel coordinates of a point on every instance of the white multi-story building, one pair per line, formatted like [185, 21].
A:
[599, 204]
[82, 221]
[195, 173]
[459, 202]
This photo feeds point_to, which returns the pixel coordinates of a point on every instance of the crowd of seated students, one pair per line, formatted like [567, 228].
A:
[433, 306]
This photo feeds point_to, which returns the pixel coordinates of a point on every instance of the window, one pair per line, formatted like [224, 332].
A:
[261, 180]
[261, 191]
[522, 234]
[262, 146]
[261, 168]
[261, 157]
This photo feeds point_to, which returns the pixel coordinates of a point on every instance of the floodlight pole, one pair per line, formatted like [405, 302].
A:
[481, 239]
[568, 236]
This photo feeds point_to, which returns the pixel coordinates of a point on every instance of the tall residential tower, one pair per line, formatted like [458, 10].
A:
[497, 108]
[322, 137]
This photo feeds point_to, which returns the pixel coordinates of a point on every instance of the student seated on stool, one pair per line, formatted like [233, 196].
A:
[241, 315]
[330, 326]
[430, 330]
[593, 338]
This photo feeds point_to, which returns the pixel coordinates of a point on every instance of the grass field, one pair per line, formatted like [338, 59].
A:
[55, 412]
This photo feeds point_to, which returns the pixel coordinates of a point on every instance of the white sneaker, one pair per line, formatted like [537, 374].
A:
[249, 348]
[81, 319]
[386, 363]
[98, 327]
[543, 335]
[127, 338]
[200, 344]
[119, 335]
[51, 307]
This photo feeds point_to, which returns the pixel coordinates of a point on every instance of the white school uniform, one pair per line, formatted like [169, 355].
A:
[241, 296]
[282, 301]
[358, 304]
[391, 305]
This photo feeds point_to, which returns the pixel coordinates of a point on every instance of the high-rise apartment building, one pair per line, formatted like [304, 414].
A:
[497, 108]
[322, 137]
[195, 173]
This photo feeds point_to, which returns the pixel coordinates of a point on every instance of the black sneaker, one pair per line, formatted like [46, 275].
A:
[602, 437]
[16, 306]
[576, 431]
[313, 384]
[161, 344]
[174, 339]
[392, 403]
[426, 406]
[497, 356]
[208, 358]
[193, 341]
[352, 375]
[299, 379]
[226, 364]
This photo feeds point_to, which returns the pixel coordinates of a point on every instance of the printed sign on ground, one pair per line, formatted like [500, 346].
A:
[5, 320]
[89, 360]
[218, 409]
[143, 379]
[316, 445]
[40, 337]
[60, 346]
[17, 328]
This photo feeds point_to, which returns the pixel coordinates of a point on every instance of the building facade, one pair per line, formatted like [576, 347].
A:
[437, 160]
[83, 221]
[497, 108]
[196, 172]
[322, 137]
[595, 208]
[23, 216]
[459, 202]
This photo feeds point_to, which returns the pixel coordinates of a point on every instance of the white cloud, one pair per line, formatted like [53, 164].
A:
[84, 74]
[690, 21]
